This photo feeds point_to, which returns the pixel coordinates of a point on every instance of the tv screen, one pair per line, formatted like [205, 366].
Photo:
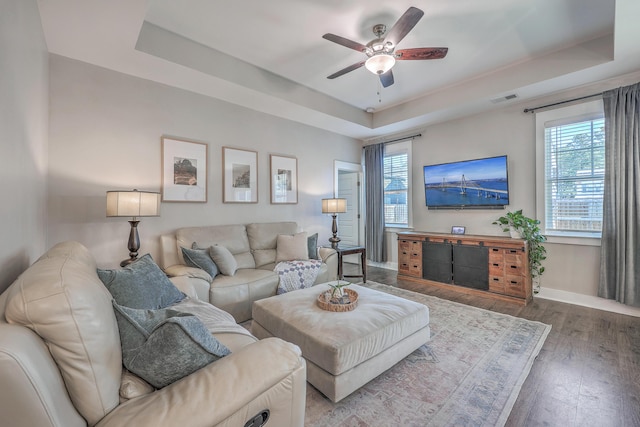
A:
[479, 183]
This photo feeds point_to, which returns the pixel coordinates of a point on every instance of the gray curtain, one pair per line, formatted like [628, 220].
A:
[619, 263]
[374, 197]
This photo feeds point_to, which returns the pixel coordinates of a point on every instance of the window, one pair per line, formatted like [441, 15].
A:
[396, 184]
[574, 163]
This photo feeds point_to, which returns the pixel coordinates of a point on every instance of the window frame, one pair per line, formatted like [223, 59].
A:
[573, 113]
[395, 149]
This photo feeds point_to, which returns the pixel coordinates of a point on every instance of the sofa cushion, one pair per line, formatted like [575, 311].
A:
[162, 346]
[263, 239]
[61, 298]
[200, 258]
[292, 247]
[141, 284]
[224, 259]
[132, 386]
[233, 237]
[312, 246]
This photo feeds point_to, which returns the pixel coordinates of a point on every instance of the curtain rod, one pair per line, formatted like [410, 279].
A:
[532, 110]
[397, 140]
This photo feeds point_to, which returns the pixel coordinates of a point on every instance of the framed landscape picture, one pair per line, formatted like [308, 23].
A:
[239, 176]
[184, 170]
[284, 179]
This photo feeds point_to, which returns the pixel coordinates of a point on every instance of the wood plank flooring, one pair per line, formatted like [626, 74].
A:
[588, 371]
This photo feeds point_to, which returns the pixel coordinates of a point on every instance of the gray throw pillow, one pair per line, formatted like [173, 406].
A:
[312, 245]
[224, 259]
[200, 258]
[141, 284]
[162, 346]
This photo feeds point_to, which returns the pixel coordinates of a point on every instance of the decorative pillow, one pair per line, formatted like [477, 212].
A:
[162, 346]
[224, 259]
[292, 247]
[200, 258]
[141, 284]
[312, 245]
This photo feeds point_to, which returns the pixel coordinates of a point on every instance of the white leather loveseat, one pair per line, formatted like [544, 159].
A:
[254, 247]
[61, 361]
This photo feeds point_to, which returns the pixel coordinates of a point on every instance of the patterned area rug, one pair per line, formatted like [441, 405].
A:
[469, 374]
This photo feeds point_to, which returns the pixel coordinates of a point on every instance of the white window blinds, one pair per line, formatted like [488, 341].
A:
[574, 176]
[396, 179]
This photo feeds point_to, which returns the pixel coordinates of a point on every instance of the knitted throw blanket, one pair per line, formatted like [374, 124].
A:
[296, 275]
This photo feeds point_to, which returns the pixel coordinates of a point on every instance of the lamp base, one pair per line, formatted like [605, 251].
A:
[334, 241]
[133, 244]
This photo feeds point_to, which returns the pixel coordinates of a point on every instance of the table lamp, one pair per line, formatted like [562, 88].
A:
[334, 206]
[134, 204]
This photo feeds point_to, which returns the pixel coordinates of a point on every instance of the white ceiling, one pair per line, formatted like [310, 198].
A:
[270, 56]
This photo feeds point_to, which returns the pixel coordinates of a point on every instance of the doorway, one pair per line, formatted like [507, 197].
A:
[347, 179]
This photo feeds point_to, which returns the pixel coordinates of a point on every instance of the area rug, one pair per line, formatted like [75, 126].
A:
[468, 374]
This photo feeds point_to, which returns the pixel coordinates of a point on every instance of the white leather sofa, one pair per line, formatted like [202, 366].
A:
[61, 361]
[254, 247]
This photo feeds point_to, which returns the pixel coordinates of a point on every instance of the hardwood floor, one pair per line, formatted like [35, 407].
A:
[588, 371]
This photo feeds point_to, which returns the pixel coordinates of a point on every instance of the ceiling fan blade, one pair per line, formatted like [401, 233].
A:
[345, 42]
[404, 25]
[346, 70]
[421, 53]
[386, 79]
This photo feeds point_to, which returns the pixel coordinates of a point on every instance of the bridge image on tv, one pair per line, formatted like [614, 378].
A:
[481, 182]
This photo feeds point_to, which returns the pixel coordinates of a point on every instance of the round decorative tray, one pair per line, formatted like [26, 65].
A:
[325, 304]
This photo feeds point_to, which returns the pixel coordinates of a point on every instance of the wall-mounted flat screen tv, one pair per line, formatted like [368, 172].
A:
[479, 183]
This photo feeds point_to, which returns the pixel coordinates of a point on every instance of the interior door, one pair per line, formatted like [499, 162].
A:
[348, 221]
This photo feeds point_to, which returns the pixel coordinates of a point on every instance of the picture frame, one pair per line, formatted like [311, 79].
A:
[184, 170]
[239, 175]
[457, 229]
[284, 179]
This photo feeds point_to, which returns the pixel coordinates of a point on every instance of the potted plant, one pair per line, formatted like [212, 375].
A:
[529, 230]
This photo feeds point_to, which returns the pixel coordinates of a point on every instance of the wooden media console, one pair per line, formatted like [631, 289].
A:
[484, 265]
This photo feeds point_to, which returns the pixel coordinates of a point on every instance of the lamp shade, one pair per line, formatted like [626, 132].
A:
[133, 203]
[334, 206]
[380, 63]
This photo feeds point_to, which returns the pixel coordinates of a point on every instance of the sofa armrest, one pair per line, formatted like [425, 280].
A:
[184, 270]
[330, 257]
[268, 374]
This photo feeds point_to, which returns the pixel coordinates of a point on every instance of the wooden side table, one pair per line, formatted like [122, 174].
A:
[349, 250]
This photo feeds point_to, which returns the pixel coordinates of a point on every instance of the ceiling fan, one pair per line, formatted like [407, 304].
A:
[381, 51]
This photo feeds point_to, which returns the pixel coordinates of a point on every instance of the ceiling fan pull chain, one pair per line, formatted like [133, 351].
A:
[379, 91]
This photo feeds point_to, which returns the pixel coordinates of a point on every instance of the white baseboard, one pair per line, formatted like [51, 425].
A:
[558, 295]
[587, 301]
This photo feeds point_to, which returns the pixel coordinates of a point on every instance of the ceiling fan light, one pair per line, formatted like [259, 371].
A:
[380, 64]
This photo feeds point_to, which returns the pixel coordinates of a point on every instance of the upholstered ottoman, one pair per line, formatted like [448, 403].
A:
[344, 350]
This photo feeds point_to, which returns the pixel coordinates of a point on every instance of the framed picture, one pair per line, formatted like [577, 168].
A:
[457, 229]
[184, 170]
[239, 176]
[284, 179]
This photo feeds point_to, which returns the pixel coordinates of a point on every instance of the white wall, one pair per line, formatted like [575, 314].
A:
[23, 137]
[105, 130]
[507, 131]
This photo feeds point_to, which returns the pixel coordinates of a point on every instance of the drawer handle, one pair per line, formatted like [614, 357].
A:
[513, 251]
[495, 250]
[415, 266]
[404, 253]
[495, 279]
[513, 266]
[496, 265]
[513, 282]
